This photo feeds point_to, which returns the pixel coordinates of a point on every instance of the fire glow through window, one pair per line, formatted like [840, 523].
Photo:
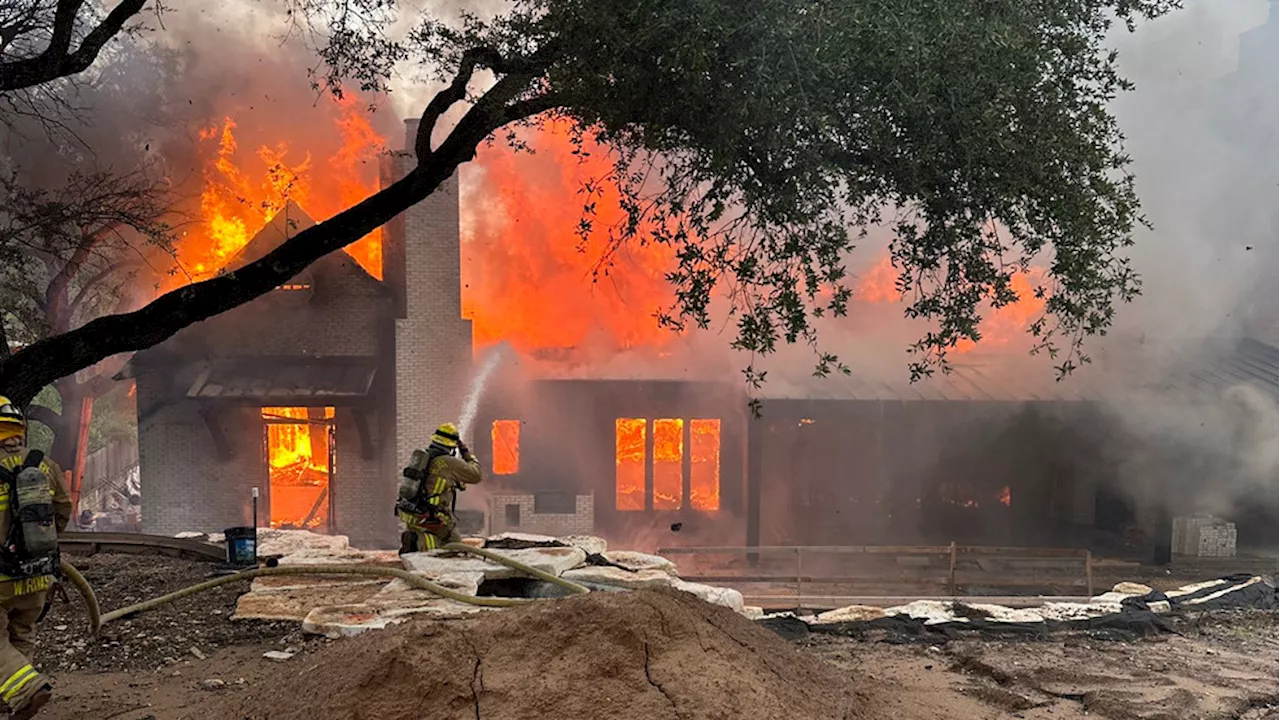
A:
[668, 464]
[629, 455]
[506, 447]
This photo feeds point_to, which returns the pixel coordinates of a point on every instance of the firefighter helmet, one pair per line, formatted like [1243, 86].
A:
[446, 436]
[10, 414]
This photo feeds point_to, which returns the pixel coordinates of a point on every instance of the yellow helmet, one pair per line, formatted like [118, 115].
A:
[446, 436]
[10, 414]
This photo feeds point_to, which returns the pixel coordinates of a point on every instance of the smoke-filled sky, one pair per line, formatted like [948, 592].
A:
[1207, 185]
[1203, 183]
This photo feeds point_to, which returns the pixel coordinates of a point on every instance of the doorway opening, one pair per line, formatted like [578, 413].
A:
[298, 444]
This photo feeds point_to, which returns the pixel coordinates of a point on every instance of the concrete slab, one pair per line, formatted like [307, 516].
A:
[606, 575]
[727, 597]
[640, 561]
[437, 563]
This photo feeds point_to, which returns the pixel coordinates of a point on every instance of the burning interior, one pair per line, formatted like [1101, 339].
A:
[298, 444]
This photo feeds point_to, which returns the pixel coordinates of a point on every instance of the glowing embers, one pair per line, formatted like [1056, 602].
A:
[298, 443]
[1006, 497]
[668, 464]
[629, 434]
[668, 489]
[704, 469]
[506, 447]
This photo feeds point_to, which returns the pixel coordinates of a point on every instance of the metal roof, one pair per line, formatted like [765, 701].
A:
[1128, 370]
[270, 379]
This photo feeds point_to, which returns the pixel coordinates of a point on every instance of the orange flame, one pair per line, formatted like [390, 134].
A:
[1006, 497]
[526, 279]
[506, 447]
[242, 194]
[668, 464]
[880, 283]
[998, 328]
[704, 455]
[629, 454]
[298, 466]
[1002, 325]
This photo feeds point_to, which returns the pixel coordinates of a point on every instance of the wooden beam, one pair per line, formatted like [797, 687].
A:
[221, 444]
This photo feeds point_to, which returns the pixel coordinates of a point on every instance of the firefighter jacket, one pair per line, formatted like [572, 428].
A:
[445, 475]
[13, 460]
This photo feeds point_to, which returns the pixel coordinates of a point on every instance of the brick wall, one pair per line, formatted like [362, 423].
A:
[581, 522]
[433, 342]
[184, 484]
[337, 317]
[362, 495]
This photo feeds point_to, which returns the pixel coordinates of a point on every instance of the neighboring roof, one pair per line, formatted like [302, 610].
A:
[1252, 363]
[1128, 371]
[279, 378]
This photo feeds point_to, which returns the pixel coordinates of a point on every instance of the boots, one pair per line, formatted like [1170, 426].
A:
[408, 542]
[38, 699]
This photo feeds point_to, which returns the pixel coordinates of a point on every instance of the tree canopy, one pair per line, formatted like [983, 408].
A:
[759, 139]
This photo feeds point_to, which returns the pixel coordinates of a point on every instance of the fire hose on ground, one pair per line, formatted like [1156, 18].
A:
[97, 619]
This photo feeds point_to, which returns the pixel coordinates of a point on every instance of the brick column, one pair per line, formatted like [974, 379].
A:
[433, 342]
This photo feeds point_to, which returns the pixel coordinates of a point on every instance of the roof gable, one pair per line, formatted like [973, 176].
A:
[287, 223]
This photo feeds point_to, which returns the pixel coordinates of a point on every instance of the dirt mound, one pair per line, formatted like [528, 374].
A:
[650, 654]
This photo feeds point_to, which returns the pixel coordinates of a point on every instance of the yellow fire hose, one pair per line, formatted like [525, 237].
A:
[96, 619]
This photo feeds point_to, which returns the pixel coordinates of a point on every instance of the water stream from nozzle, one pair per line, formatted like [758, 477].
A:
[491, 360]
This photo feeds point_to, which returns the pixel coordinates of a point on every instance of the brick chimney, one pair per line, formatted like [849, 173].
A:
[433, 341]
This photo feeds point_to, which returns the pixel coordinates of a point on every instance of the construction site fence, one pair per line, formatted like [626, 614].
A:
[952, 554]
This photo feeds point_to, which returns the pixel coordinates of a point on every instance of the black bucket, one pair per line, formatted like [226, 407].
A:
[242, 545]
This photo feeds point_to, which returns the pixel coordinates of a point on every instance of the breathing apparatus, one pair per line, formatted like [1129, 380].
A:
[413, 496]
[31, 547]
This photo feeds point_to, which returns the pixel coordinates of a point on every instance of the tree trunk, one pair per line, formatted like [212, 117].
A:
[66, 427]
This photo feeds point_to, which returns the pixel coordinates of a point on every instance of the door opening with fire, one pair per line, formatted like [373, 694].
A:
[298, 445]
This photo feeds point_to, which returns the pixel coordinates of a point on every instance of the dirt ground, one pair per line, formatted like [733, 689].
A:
[666, 658]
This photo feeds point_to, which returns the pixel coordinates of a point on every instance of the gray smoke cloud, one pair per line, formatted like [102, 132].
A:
[1201, 128]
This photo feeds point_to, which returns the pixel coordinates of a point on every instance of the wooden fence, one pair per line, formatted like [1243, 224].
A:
[944, 570]
[110, 477]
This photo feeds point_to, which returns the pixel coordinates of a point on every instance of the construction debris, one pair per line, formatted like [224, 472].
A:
[1128, 606]
[340, 606]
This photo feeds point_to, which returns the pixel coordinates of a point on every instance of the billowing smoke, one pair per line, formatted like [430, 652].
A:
[1202, 132]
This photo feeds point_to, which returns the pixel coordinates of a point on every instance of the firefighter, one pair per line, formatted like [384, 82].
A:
[23, 598]
[428, 491]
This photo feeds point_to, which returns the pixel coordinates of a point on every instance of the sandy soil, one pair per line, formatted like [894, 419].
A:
[668, 658]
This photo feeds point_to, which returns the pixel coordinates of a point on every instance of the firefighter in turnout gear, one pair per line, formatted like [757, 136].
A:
[34, 509]
[429, 490]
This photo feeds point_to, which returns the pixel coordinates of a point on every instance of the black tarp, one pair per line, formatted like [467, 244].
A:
[1136, 618]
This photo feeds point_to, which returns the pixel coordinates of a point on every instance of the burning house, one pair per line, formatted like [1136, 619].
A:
[317, 393]
[312, 393]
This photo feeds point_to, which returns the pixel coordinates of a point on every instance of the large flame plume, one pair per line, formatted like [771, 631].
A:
[242, 189]
[528, 280]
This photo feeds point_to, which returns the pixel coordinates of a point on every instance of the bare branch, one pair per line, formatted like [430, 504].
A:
[60, 355]
[58, 59]
[455, 93]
